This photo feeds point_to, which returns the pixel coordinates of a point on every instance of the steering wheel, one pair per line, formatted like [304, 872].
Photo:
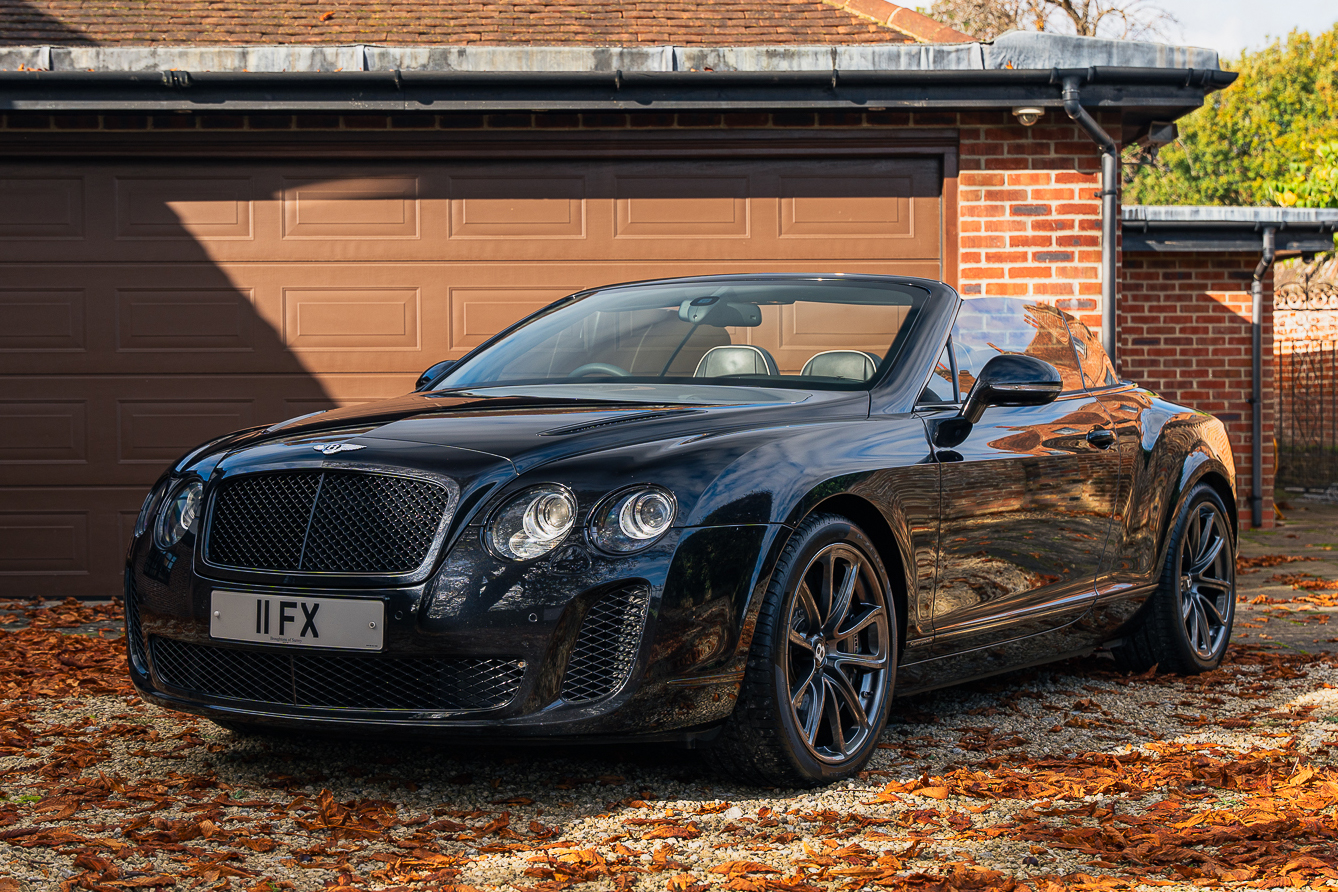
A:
[602, 368]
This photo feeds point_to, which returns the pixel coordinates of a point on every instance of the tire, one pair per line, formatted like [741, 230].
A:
[817, 687]
[1186, 626]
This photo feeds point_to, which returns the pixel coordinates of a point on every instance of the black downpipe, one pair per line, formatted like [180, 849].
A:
[1257, 378]
[1110, 171]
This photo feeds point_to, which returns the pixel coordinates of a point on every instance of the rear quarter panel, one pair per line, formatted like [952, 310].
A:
[1165, 450]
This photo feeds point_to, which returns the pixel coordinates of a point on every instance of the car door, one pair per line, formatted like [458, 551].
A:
[1028, 498]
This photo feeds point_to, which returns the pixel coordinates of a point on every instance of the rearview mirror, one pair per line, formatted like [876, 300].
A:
[433, 373]
[720, 313]
[1009, 379]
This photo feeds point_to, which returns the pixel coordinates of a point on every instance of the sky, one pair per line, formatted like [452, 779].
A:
[1230, 26]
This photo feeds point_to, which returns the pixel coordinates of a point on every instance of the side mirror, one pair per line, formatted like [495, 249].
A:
[1006, 380]
[433, 373]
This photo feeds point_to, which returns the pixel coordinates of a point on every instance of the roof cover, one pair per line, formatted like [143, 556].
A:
[1231, 216]
[463, 22]
[1013, 51]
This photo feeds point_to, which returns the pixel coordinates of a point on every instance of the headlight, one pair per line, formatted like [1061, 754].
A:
[533, 523]
[148, 508]
[632, 520]
[178, 514]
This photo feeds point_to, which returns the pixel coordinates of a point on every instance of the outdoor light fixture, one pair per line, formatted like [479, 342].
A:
[1027, 114]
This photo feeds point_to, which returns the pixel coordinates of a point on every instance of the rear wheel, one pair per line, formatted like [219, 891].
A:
[815, 694]
[1187, 625]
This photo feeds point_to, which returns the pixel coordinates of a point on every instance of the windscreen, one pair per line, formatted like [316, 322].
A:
[826, 334]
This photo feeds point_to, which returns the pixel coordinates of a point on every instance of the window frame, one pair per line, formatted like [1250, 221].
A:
[959, 397]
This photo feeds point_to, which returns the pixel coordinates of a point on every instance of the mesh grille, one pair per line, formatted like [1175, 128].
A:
[606, 647]
[134, 634]
[261, 521]
[325, 522]
[363, 682]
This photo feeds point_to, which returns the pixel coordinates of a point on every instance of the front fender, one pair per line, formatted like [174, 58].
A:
[892, 493]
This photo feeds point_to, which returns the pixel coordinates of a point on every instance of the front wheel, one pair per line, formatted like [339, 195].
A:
[818, 683]
[1187, 625]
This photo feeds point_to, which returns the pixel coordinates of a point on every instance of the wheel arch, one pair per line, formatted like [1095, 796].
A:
[1218, 481]
[865, 515]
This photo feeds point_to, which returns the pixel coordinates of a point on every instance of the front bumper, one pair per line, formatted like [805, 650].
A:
[577, 647]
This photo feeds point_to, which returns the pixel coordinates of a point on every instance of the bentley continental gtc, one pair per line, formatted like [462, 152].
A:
[743, 512]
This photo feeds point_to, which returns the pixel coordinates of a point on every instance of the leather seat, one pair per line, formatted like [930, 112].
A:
[736, 359]
[852, 364]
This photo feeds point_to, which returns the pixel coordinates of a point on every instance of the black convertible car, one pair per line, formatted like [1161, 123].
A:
[739, 511]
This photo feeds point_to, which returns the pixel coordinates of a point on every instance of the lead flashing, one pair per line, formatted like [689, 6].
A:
[1015, 50]
[1237, 216]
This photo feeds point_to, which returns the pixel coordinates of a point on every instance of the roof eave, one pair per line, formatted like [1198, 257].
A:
[1166, 91]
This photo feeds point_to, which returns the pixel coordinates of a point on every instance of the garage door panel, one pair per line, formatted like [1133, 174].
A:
[185, 320]
[385, 207]
[352, 320]
[65, 541]
[41, 320]
[158, 432]
[121, 318]
[183, 208]
[477, 313]
[47, 542]
[682, 205]
[41, 208]
[43, 432]
[120, 430]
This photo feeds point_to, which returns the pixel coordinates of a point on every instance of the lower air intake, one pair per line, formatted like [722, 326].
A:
[134, 635]
[606, 647]
[332, 681]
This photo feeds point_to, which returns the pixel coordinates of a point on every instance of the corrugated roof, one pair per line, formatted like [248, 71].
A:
[627, 23]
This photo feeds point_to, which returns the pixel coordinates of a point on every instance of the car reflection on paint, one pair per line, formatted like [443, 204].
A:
[740, 511]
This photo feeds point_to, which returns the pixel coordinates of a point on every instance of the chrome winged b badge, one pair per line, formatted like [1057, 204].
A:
[332, 448]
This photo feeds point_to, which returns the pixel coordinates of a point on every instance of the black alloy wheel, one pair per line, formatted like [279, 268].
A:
[820, 674]
[838, 652]
[1187, 624]
[1206, 584]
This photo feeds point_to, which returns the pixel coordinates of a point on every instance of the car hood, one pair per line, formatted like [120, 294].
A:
[531, 425]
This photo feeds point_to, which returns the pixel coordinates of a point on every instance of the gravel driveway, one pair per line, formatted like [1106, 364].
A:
[1069, 777]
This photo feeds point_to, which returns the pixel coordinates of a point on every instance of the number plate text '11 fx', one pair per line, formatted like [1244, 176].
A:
[338, 623]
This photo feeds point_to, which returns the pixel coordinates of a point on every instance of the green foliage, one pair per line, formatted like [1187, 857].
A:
[1306, 185]
[1283, 105]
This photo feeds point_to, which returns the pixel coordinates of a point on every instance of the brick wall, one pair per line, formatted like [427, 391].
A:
[1030, 215]
[1185, 333]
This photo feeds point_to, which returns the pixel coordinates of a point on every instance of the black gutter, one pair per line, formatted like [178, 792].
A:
[1219, 236]
[407, 91]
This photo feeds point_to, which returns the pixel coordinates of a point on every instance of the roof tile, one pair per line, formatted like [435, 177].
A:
[461, 22]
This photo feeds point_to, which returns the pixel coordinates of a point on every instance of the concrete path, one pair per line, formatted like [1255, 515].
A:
[1308, 533]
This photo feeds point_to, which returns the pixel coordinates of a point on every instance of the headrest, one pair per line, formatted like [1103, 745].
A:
[736, 359]
[850, 364]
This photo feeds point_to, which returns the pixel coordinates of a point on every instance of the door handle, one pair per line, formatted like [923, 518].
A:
[1101, 437]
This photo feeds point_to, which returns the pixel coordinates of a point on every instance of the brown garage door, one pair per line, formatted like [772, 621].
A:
[145, 308]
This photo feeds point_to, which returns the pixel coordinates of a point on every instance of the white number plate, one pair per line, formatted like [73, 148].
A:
[343, 623]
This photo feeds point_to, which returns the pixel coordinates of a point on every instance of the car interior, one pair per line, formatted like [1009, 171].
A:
[824, 336]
